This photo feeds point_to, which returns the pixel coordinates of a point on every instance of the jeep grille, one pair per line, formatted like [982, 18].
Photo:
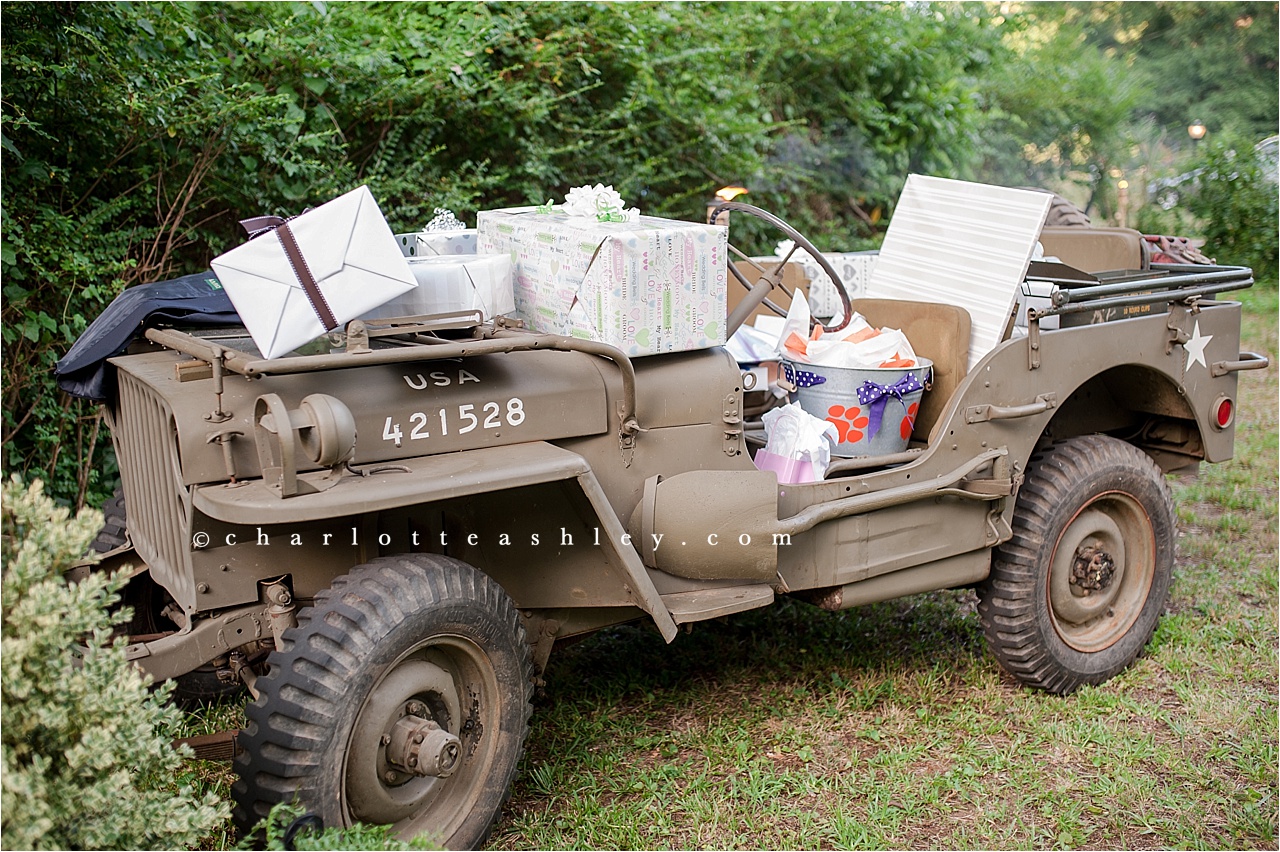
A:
[158, 505]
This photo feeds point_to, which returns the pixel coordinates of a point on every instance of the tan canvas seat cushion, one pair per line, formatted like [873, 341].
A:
[1096, 249]
[940, 333]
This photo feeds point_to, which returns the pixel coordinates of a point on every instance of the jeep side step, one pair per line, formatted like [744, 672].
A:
[702, 604]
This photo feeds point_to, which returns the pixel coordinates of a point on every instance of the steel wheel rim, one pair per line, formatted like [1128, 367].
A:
[456, 681]
[1090, 619]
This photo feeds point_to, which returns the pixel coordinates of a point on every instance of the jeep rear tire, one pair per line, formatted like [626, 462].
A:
[402, 653]
[1075, 594]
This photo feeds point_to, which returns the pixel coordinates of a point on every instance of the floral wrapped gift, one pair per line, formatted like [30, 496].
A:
[594, 269]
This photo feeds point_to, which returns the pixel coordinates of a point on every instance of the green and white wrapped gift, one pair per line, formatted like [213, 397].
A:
[591, 268]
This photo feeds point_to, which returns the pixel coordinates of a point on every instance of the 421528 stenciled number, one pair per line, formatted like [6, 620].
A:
[466, 417]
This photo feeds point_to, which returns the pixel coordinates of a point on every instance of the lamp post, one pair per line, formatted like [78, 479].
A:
[727, 193]
[1196, 130]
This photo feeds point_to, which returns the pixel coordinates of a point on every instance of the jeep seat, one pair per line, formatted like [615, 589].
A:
[1097, 249]
[937, 332]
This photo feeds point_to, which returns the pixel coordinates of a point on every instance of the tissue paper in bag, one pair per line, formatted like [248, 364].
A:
[798, 445]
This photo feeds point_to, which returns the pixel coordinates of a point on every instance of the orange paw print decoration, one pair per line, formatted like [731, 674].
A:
[849, 422]
[908, 424]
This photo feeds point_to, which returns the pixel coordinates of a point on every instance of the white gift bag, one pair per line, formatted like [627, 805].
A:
[300, 278]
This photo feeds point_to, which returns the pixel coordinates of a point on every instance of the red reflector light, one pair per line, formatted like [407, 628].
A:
[1224, 412]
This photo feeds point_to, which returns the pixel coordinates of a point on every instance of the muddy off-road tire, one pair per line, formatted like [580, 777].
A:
[1064, 214]
[115, 526]
[405, 640]
[1075, 594]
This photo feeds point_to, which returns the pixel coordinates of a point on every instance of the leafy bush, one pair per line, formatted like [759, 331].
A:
[1237, 202]
[88, 760]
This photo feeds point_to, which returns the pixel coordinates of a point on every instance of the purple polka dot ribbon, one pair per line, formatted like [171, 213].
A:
[801, 378]
[877, 396]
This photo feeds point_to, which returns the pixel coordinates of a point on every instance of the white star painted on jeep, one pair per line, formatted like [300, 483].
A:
[1195, 347]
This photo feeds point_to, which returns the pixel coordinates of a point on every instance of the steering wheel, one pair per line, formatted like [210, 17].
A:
[758, 293]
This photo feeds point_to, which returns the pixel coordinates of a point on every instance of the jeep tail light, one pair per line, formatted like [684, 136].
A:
[1224, 411]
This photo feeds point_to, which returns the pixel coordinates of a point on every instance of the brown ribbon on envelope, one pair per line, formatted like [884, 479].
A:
[259, 225]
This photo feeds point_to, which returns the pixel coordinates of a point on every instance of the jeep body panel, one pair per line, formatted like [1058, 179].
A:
[568, 497]
[1121, 376]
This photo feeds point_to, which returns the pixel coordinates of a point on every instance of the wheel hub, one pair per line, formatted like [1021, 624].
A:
[1100, 572]
[1093, 570]
[421, 747]
[382, 785]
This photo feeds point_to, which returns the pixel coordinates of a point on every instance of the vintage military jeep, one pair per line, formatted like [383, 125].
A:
[385, 542]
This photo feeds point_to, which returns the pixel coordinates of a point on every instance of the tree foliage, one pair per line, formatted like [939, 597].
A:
[1047, 118]
[134, 136]
[1213, 62]
[82, 732]
[1234, 196]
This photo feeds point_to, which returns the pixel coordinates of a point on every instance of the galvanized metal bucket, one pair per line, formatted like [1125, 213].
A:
[874, 409]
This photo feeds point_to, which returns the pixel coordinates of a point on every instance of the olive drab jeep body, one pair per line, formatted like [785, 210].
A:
[384, 540]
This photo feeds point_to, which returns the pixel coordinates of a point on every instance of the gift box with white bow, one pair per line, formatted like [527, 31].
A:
[643, 284]
[444, 234]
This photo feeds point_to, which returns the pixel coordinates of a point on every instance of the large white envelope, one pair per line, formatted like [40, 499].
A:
[352, 255]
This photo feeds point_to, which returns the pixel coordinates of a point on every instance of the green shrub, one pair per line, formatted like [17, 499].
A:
[1236, 200]
[88, 761]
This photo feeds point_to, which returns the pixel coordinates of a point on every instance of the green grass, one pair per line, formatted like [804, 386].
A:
[891, 726]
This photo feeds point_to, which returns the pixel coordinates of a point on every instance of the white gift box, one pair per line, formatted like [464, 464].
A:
[647, 286]
[348, 251]
[853, 267]
[452, 283]
[953, 242]
[431, 244]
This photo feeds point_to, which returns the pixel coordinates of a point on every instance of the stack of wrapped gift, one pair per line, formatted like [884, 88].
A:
[593, 270]
[587, 269]
[451, 276]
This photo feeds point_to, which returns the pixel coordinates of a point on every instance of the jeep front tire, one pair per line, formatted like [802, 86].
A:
[402, 697]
